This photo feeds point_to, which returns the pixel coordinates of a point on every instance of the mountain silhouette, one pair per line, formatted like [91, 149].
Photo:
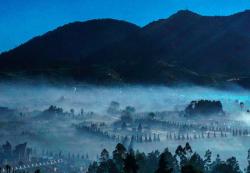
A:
[186, 47]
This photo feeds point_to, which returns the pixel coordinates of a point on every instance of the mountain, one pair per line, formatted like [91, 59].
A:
[186, 47]
[63, 48]
[207, 45]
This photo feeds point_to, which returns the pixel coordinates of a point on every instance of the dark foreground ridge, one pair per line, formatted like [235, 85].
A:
[186, 47]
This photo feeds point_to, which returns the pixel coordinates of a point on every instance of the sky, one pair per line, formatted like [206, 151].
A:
[21, 20]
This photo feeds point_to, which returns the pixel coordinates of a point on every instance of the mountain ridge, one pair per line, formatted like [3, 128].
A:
[186, 47]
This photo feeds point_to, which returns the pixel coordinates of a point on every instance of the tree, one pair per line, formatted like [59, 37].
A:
[248, 168]
[241, 105]
[188, 160]
[92, 168]
[221, 168]
[72, 111]
[130, 109]
[188, 149]
[104, 156]
[204, 107]
[119, 155]
[171, 161]
[114, 108]
[151, 115]
[230, 166]
[163, 165]
[207, 160]
[112, 167]
[188, 169]
[105, 166]
[197, 162]
[152, 161]
[233, 163]
[127, 114]
[130, 164]
[8, 168]
[37, 171]
[139, 127]
[181, 153]
[218, 160]
[82, 112]
[141, 159]
[179, 150]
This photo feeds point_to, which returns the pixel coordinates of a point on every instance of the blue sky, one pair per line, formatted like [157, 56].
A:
[20, 20]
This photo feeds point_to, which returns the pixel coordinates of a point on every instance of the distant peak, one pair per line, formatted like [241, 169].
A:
[178, 15]
[183, 13]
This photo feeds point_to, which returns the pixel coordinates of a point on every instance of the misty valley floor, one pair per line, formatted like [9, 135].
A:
[31, 121]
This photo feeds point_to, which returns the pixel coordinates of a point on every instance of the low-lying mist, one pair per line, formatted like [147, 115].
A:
[59, 134]
[98, 98]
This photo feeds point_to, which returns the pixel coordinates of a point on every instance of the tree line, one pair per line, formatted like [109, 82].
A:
[183, 160]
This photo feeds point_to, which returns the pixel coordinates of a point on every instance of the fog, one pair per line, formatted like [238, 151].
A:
[59, 135]
[97, 98]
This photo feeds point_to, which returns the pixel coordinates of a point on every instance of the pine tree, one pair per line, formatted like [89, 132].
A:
[233, 163]
[92, 168]
[130, 164]
[207, 160]
[181, 153]
[104, 156]
[163, 165]
[119, 155]
[141, 159]
[152, 161]
[103, 166]
[197, 162]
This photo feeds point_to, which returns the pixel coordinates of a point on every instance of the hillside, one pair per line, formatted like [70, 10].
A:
[186, 47]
